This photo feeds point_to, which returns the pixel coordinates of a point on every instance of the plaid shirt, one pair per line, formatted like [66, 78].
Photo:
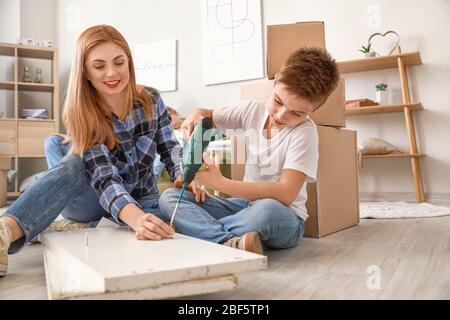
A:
[124, 174]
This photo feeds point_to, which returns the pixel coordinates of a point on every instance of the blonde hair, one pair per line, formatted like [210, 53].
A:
[87, 118]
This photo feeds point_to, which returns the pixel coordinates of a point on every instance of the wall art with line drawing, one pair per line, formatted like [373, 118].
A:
[156, 64]
[232, 41]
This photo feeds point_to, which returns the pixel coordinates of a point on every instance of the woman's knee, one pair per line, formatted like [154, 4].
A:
[74, 169]
[52, 142]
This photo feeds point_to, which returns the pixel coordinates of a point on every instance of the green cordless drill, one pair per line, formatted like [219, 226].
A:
[193, 155]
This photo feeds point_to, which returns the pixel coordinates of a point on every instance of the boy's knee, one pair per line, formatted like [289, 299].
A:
[269, 203]
[268, 212]
[168, 197]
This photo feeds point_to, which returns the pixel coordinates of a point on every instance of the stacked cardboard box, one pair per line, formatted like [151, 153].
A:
[333, 199]
[5, 164]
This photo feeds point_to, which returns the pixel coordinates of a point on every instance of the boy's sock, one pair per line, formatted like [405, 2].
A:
[249, 242]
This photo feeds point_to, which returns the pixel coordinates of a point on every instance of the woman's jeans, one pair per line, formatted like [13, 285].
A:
[218, 219]
[63, 189]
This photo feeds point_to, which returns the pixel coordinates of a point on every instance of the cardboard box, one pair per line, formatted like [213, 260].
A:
[284, 39]
[333, 202]
[332, 113]
[5, 164]
[3, 188]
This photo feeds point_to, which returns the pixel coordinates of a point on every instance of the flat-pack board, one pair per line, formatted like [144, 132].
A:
[109, 263]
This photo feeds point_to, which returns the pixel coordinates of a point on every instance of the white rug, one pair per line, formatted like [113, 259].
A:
[399, 210]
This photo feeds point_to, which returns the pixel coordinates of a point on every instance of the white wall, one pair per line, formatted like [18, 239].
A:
[422, 25]
[9, 20]
[9, 32]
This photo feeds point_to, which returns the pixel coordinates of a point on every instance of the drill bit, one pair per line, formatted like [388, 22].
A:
[178, 203]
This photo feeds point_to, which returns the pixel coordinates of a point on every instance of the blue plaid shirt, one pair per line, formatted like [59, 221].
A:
[124, 174]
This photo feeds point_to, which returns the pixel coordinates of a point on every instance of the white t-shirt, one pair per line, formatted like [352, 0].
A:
[292, 148]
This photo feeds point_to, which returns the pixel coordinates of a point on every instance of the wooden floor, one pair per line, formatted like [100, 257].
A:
[413, 256]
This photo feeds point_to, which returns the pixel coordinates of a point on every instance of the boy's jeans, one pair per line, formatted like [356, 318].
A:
[63, 189]
[218, 219]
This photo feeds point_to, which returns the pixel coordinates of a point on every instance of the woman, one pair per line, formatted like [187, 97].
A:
[116, 128]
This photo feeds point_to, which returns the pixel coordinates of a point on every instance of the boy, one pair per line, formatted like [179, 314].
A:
[282, 155]
[158, 166]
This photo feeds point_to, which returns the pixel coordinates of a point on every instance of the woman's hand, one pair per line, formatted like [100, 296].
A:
[211, 176]
[150, 227]
[199, 191]
[66, 138]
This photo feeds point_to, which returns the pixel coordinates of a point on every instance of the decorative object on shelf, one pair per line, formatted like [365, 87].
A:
[381, 93]
[35, 42]
[377, 146]
[27, 182]
[386, 46]
[1, 114]
[367, 51]
[34, 113]
[48, 43]
[38, 78]
[11, 176]
[28, 42]
[351, 104]
[26, 74]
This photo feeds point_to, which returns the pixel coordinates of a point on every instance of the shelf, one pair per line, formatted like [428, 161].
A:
[45, 87]
[36, 120]
[31, 156]
[383, 109]
[7, 50]
[35, 52]
[393, 155]
[29, 134]
[379, 63]
[27, 51]
[7, 85]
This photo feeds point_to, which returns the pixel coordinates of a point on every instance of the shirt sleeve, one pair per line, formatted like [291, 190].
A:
[106, 181]
[233, 117]
[303, 152]
[166, 142]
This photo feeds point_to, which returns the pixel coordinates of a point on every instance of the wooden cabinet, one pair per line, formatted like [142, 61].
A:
[24, 138]
[7, 137]
[31, 136]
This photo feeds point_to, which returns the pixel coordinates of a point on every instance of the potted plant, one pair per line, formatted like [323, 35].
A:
[367, 51]
[381, 93]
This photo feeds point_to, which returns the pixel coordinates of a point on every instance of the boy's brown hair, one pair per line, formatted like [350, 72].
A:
[310, 73]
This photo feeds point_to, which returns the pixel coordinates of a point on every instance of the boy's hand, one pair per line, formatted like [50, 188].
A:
[188, 124]
[211, 176]
[200, 193]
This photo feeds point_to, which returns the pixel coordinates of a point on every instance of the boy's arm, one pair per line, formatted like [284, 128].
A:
[285, 190]
[198, 114]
